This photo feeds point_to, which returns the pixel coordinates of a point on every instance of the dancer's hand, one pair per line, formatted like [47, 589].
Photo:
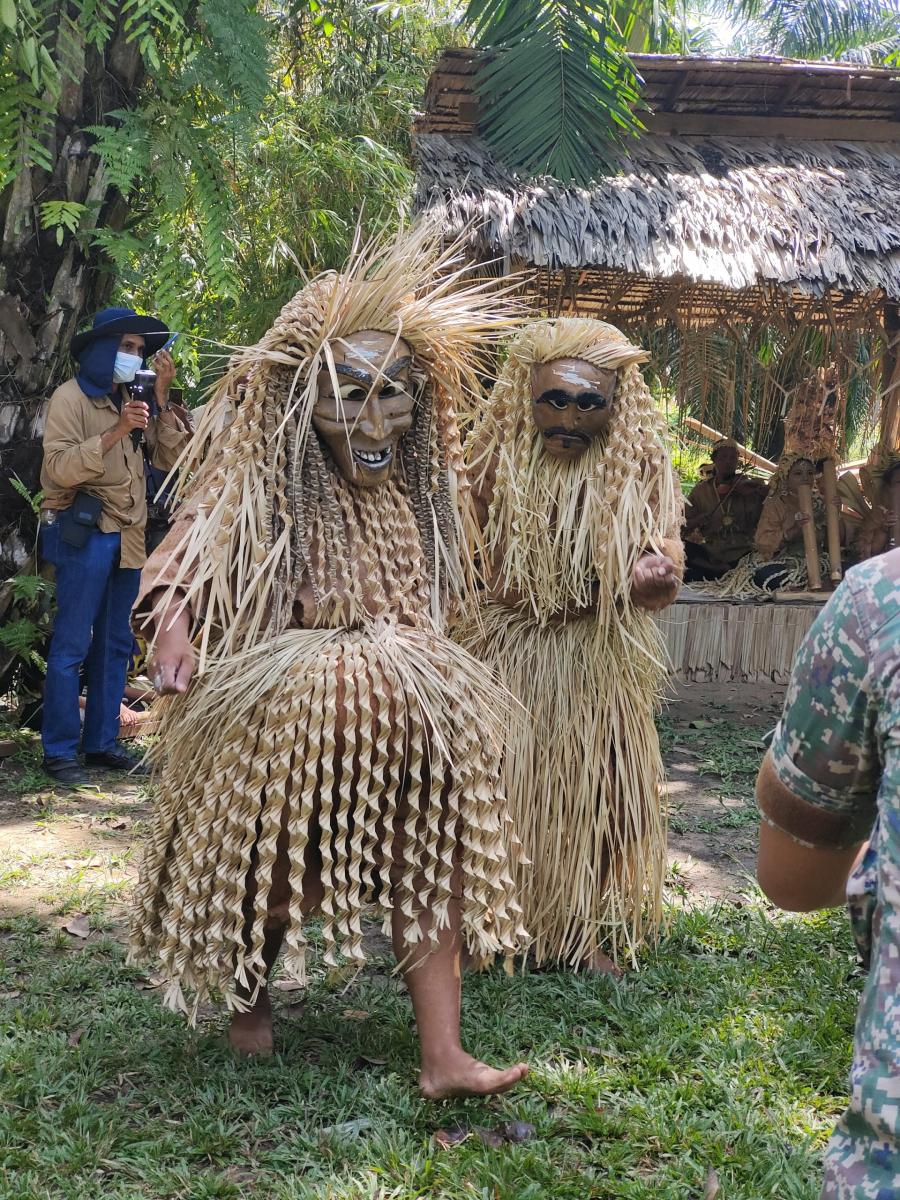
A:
[655, 582]
[172, 664]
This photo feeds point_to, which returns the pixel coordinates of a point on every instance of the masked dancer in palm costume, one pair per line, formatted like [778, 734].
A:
[335, 747]
[580, 512]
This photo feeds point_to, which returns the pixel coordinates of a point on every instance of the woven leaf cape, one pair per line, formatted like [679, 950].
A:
[333, 721]
[583, 773]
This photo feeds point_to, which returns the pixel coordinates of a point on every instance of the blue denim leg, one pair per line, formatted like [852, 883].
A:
[82, 578]
[106, 668]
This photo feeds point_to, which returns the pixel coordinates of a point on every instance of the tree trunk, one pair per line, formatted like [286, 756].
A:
[48, 289]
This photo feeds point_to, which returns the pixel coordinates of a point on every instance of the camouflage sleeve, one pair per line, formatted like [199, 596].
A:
[825, 750]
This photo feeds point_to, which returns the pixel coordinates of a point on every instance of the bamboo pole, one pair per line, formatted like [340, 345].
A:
[713, 435]
[804, 499]
[832, 519]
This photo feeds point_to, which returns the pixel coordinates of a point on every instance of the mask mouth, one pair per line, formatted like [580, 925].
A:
[373, 460]
[567, 435]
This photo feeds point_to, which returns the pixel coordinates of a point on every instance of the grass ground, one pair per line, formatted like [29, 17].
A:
[717, 1070]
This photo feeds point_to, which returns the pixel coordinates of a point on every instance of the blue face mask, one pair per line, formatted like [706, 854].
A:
[126, 367]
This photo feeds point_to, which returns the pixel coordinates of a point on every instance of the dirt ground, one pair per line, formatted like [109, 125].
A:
[65, 853]
[712, 821]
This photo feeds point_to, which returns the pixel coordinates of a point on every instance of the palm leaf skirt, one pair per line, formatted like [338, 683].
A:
[373, 750]
[583, 776]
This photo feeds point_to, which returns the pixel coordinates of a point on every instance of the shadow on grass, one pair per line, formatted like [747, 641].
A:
[727, 1051]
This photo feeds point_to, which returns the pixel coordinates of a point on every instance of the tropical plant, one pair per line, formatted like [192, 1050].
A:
[96, 100]
[330, 148]
[556, 87]
[852, 30]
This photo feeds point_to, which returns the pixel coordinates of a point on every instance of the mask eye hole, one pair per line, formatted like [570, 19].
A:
[557, 402]
[590, 401]
[356, 395]
[392, 390]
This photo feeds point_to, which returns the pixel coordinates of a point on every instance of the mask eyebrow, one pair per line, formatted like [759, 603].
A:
[555, 394]
[398, 367]
[353, 373]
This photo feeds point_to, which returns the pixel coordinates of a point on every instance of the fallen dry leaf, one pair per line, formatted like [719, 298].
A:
[239, 1175]
[288, 985]
[347, 1128]
[712, 1185]
[75, 1037]
[489, 1137]
[356, 1014]
[151, 982]
[13, 995]
[446, 1138]
[79, 927]
[516, 1131]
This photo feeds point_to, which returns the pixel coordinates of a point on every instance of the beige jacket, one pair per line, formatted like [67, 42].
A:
[73, 462]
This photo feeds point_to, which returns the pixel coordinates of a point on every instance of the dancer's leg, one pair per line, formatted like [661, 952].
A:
[251, 1032]
[433, 979]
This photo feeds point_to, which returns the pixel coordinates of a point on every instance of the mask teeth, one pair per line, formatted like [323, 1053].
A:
[376, 457]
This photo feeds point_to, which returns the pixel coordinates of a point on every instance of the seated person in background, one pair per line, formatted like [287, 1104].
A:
[724, 511]
[780, 530]
[833, 768]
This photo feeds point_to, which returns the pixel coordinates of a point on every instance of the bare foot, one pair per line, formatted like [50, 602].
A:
[463, 1075]
[251, 1032]
[601, 964]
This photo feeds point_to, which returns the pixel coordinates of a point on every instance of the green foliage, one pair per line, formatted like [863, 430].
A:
[21, 638]
[242, 211]
[853, 30]
[33, 501]
[724, 1057]
[30, 587]
[556, 88]
[61, 215]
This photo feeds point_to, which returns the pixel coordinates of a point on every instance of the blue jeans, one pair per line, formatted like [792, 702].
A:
[94, 597]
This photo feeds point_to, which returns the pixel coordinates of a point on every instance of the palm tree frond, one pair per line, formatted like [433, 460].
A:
[556, 87]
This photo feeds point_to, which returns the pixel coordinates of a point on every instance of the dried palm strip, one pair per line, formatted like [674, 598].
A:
[303, 717]
[583, 776]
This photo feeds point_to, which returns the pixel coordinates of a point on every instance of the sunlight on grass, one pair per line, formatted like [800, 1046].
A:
[728, 1049]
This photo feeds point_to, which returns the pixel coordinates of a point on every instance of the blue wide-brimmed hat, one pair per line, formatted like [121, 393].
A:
[112, 322]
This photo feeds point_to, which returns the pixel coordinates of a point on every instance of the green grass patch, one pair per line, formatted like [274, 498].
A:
[729, 1050]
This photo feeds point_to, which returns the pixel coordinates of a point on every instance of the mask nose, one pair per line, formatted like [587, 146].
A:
[372, 422]
[569, 417]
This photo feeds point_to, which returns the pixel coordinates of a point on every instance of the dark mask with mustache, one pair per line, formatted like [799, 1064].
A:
[571, 403]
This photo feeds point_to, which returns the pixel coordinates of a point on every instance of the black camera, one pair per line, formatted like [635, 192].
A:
[142, 388]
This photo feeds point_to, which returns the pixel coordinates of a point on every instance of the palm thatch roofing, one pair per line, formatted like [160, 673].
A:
[775, 180]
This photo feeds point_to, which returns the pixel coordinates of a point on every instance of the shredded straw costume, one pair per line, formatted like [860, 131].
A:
[332, 720]
[561, 539]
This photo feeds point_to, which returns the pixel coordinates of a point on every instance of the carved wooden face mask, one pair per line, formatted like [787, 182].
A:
[571, 403]
[362, 425]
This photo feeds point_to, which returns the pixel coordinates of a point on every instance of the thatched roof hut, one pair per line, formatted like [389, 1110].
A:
[764, 195]
[751, 235]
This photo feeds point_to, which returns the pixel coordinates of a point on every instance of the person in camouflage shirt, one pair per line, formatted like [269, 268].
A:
[829, 794]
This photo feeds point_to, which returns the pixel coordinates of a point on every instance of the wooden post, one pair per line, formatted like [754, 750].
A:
[804, 498]
[890, 377]
[713, 435]
[832, 519]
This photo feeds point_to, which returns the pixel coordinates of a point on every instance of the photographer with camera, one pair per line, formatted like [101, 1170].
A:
[93, 516]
